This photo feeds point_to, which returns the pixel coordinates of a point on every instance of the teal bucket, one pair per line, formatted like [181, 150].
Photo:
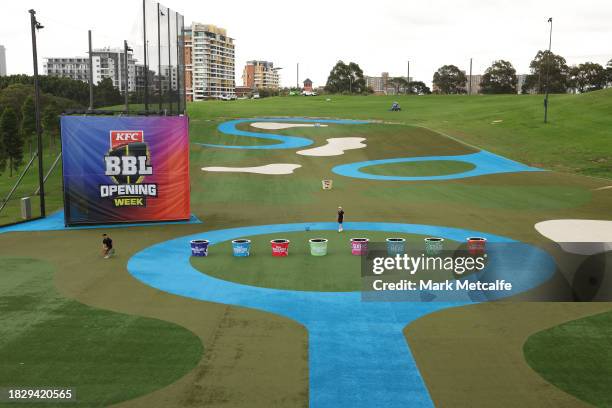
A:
[396, 246]
[241, 247]
[434, 246]
[318, 246]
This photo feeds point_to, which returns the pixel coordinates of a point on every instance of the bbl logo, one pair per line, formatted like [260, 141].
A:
[127, 163]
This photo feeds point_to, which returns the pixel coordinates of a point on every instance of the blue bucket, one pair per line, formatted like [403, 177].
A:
[241, 247]
[199, 247]
[396, 246]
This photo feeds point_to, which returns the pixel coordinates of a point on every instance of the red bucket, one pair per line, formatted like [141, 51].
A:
[280, 247]
[359, 246]
[476, 245]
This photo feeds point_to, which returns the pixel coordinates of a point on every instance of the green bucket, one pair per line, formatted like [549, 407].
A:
[318, 246]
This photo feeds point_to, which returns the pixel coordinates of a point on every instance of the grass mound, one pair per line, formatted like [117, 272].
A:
[575, 356]
[106, 357]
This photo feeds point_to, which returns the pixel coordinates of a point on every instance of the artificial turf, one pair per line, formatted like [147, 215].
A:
[338, 271]
[575, 356]
[419, 169]
[105, 357]
[259, 360]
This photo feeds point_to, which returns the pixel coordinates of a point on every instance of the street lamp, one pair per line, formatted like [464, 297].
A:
[35, 26]
[547, 73]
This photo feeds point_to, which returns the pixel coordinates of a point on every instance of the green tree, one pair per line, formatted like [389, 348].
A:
[547, 64]
[399, 84]
[105, 94]
[449, 80]
[345, 78]
[50, 123]
[28, 121]
[499, 78]
[11, 138]
[419, 88]
[609, 72]
[587, 77]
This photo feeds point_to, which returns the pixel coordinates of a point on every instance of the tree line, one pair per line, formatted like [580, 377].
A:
[349, 79]
[18, 117]
[105, 94]
[545, 68]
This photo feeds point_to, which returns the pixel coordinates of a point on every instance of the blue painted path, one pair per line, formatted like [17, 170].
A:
[358, 356]
[286, 142]
[485, 163]
[55, 222]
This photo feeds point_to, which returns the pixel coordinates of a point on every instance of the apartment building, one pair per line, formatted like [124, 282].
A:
[209, 62]
[2, 60]
[472, 84]
[106, 62]
[379, 84]
[260, 74]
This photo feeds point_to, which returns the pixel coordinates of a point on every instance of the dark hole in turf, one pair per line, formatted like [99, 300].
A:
[241, 241]
[359, 239]
[318, 240]
[476, 239]
[433, 239]
[279, 241]
[395, 239]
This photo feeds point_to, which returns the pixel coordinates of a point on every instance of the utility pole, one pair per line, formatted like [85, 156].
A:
[91, 98]
[159, 78]
[547, 73]
[169, 63]
[297, 77]
[470, 86]
[35, 25]
[146, 51]
[179, 63]
[408, 79]
[126, 72]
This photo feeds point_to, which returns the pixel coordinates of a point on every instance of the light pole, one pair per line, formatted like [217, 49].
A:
[35, 25]
[547, 73]
[126, 73]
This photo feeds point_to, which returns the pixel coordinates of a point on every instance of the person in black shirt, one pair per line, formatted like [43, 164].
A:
[107, 246]
[340, 218]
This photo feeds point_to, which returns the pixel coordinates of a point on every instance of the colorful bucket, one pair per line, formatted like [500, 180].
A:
[476, 245]
[327, 184]
[318, 246]
[280, 247]
[241, 247]
[359, 246]
[199, 247]
[434, 246]
[396, 246]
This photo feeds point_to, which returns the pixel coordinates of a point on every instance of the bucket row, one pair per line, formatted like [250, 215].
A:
[359, 246]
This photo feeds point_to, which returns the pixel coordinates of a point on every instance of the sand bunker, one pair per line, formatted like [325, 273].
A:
[585, 237]
[335, 147]
[276, 168]
[277, 126]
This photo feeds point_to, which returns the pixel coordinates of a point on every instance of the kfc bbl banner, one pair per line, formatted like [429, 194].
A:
[125, 169]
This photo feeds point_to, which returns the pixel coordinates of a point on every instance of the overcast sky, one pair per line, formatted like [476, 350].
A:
[380, 35]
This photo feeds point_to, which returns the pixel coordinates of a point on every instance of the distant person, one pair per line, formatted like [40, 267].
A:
[395, 107]
[340, 218]
[107, 246]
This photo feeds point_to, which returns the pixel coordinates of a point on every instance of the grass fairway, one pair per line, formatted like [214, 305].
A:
[418, 169]
[575, 140]
[106, 357]
[575, 356]
[468, 356]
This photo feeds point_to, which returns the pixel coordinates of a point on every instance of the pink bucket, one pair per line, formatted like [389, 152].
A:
[359, 246]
